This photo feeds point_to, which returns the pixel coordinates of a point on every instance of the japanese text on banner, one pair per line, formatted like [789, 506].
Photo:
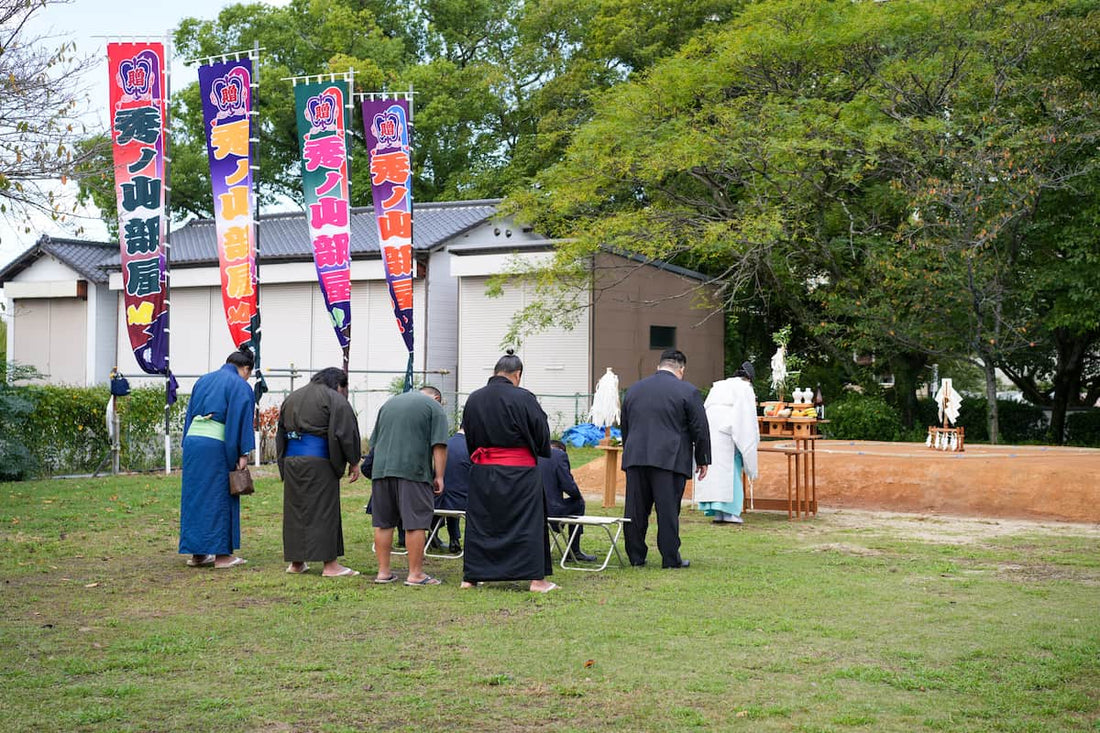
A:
[137, 99]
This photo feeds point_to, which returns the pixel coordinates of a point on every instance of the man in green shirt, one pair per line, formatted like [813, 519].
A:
[410, 453]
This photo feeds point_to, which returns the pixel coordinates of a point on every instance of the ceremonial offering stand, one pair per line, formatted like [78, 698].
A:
[801, 458]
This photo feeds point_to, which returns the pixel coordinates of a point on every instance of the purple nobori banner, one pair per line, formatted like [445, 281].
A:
[226, 91]
[387, 134]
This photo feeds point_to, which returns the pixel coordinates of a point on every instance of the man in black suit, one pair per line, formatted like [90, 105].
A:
[563, 496]
[664, 426]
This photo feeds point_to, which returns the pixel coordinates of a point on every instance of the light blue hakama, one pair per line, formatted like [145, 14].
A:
[724, 510]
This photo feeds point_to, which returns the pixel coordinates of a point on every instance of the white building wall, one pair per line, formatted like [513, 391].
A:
[297, 332]
[556, 361]
[100, 329]
[441, 323]
[51, 333]
[48, 269]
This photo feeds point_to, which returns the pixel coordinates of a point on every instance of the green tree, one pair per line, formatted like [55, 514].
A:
[868, 168]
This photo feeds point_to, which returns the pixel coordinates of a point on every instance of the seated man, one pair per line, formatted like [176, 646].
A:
[456, 484]
[563, 497]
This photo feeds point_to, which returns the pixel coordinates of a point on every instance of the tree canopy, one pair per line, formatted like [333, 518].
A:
[874, 171]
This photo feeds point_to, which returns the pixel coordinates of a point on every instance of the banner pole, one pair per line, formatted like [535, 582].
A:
[167, 258]
[349, 114]
[254, 143]
[412, 237]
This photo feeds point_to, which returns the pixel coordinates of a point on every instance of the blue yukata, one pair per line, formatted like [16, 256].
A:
[217, 431]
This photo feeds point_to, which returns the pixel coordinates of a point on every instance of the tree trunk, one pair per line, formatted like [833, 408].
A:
[1067, 379]
[990, 371]
[907, 369]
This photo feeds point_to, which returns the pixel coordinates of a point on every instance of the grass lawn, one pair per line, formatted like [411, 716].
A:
[829, 625]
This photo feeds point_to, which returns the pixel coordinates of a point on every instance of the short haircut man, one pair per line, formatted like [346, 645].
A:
[664, 426]
[409, 444]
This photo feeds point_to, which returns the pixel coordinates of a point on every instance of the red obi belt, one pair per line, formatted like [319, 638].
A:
[503, 457]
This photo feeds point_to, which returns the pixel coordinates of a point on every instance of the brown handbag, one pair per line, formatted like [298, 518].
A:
[240, 482]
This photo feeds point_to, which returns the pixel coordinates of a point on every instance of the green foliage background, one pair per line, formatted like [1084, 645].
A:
[66, 430]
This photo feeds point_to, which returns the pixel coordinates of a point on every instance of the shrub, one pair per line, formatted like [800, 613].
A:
[67, 430]
[1019, 422]
[67, 433]
[1084, 428]
[863, 417]
[972, 417]
[16, 407]
[141, 418]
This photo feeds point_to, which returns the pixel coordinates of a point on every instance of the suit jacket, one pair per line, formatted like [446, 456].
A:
[557, 480]
[456, 476]
[664, 425]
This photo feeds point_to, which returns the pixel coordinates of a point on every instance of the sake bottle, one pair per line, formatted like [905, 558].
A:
[819, 403]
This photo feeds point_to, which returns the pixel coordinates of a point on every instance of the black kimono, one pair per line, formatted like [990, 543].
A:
[506, 534]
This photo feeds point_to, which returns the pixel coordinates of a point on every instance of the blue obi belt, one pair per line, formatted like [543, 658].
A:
[304, 444]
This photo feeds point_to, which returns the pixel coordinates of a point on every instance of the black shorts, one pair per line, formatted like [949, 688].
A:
[393, 499]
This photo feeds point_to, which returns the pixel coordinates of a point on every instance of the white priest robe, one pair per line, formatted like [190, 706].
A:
[734, 436]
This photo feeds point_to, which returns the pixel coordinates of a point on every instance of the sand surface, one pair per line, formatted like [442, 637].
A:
[1009, 482]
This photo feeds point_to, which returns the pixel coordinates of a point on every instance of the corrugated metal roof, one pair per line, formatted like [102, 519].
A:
[286, 236]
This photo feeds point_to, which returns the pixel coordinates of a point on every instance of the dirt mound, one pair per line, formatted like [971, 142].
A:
[1033, 482]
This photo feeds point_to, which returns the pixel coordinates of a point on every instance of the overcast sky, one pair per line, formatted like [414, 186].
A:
[82, 21]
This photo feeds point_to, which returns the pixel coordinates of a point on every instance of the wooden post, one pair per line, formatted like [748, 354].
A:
[611, 467]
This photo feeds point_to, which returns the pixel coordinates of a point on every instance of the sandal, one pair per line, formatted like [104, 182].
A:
[383, 581]
[200, 561]
[427, 580]
[231, 564]
[345, 573]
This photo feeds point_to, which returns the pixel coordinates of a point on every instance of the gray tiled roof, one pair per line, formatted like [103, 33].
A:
[286, 236]
[89, 259]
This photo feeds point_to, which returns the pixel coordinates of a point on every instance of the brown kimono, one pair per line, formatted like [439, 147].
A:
[321, 418]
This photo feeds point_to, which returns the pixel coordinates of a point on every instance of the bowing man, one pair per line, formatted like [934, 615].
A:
[664, 427]
[506, 533]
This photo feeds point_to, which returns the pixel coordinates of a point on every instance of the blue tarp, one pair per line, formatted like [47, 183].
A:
[587, 434]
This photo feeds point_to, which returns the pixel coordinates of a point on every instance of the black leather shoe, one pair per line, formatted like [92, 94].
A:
[640, 564]
[454, 548]
[683, 564]
[583, 556]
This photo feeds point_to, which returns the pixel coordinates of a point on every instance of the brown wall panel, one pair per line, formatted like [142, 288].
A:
[629, 298]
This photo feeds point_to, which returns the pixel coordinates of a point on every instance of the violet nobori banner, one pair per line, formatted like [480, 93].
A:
[386, 122]
[226, 91]
[137, 97]
[322, 134]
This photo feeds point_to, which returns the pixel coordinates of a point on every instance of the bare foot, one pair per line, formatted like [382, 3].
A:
[542, 586]
[297, 568]
[336, 570]
[228, 561]
[466, 584]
